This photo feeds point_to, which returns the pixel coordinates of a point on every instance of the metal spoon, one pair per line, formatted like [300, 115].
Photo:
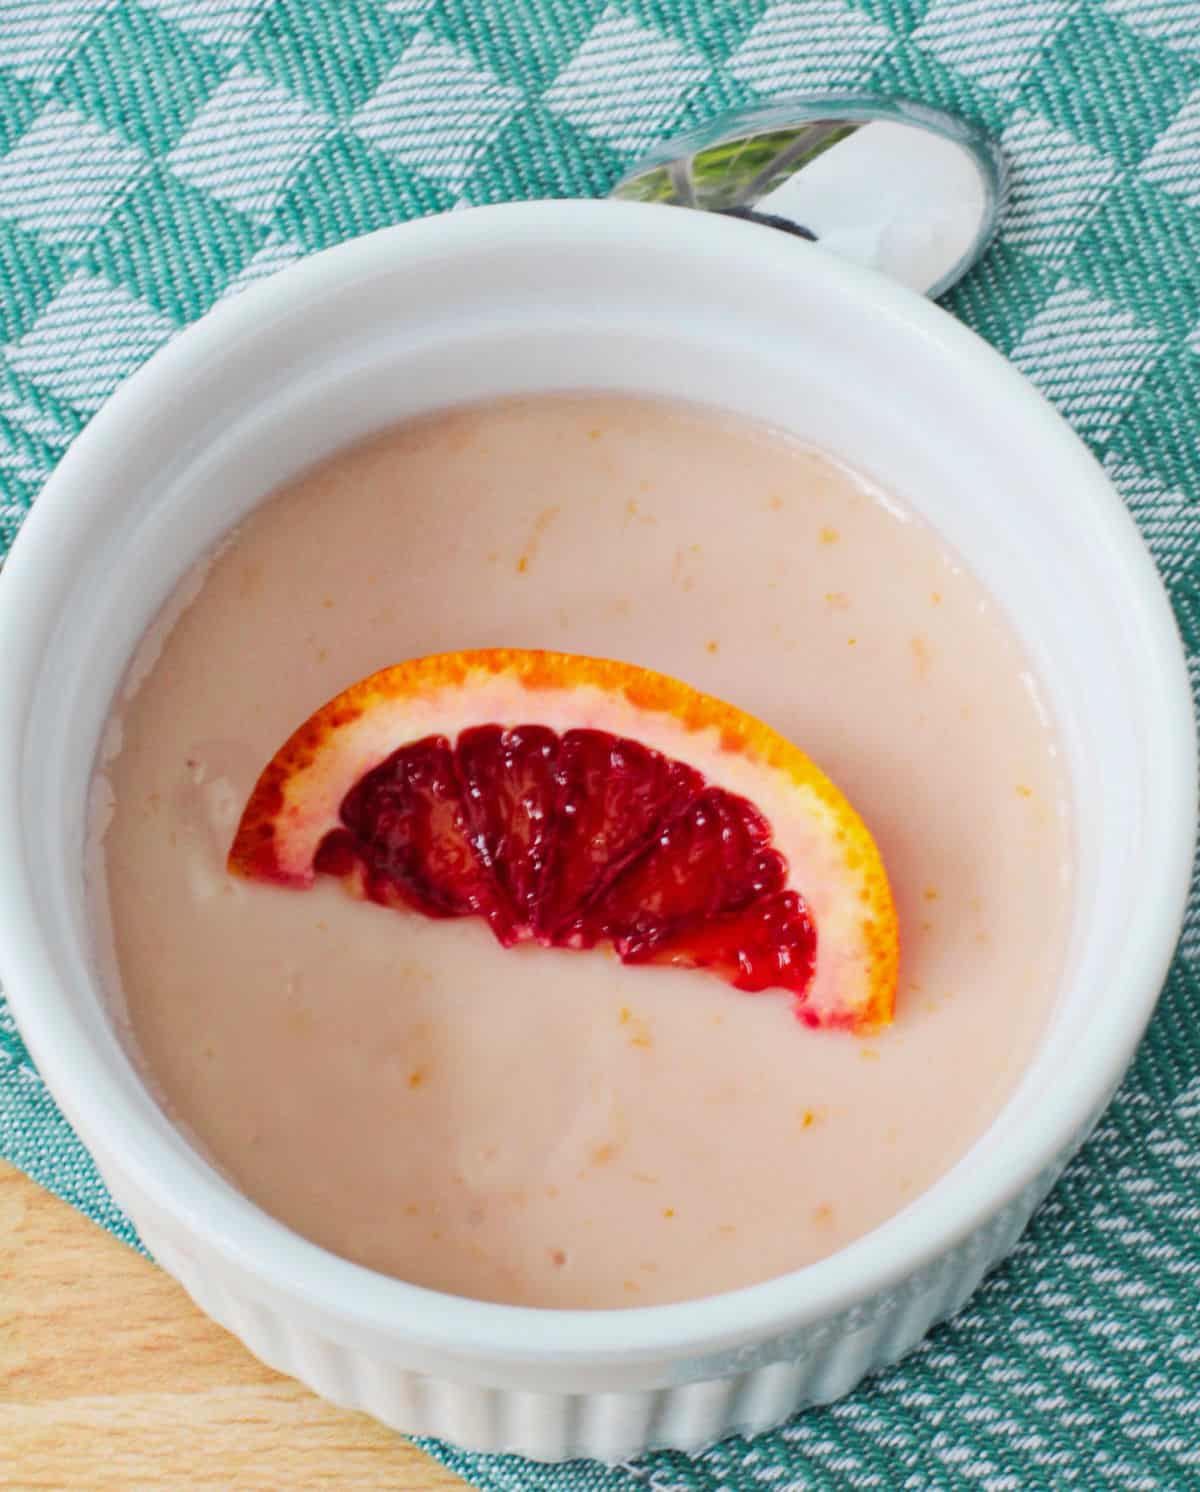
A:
[903, 188]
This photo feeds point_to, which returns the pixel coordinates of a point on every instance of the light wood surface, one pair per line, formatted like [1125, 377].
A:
[111, 1378]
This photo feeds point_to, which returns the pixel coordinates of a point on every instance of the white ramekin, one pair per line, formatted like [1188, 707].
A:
[590, 295]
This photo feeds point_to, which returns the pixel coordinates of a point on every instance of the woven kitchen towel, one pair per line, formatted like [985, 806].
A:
[157, 155]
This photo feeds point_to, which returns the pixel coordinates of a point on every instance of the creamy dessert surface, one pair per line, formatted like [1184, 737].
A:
[547, 1127]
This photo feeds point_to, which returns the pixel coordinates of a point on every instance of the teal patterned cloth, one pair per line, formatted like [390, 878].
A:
[158, 155]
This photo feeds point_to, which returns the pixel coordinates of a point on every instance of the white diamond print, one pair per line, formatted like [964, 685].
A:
[90, 336]
[816, 44]
[246, 142]
[625, 82]
[1174, 21]
[220, 23]
[436, 110]
[1087, 357]
[992, 44]
[64, 175]
[36, 36]
[409, 9]
[1167, 519]
[275, 254]
[1174, 163]
[1056, 185]
[25, 459]
[41, 419]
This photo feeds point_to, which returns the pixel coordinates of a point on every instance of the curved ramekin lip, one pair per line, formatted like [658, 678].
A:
[179, 1185]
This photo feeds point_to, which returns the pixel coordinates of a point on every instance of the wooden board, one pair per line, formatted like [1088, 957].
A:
[111, 1378]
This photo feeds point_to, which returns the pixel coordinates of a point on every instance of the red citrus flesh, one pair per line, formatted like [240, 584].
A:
[574, 840]
[576, 835]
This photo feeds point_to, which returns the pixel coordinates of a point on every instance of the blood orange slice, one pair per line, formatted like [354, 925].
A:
[576, 801]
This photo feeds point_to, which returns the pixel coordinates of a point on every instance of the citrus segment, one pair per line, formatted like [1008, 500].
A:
[615, 796]
[766, 945]
[406, 834]
[508, 784]
[630, 809]
[712, 858]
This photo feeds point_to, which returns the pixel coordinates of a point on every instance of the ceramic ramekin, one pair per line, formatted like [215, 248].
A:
[590, 295]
